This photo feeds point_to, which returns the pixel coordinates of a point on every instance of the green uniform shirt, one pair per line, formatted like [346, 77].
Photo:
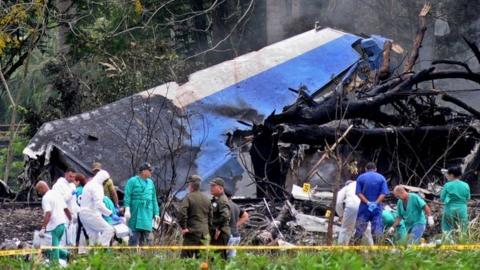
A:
[455, 192]
[413, 212]
[109, 204]
[388, 220]
[221, 214]
[79, 192]
[196, 214]
[141, 197]
[455, 195]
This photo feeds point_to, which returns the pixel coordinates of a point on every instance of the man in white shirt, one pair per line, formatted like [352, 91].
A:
[66, 187]
[56, 215]
[347, 208]
[92, 208]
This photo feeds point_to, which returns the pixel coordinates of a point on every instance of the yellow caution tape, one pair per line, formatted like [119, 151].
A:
[467, 247]
[19, 252]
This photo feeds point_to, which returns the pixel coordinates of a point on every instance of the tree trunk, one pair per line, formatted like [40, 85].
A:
[66, 9]
[11, 139]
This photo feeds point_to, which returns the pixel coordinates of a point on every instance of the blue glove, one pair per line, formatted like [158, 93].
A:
[74, 193]
[115, 218]
[372, 206]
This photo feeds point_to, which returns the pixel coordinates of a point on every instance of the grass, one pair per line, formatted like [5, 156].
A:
[406, 259]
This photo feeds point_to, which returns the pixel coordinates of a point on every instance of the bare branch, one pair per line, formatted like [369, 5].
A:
[418, 39]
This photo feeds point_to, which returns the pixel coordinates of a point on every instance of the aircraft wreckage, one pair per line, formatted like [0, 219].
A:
[325, 85]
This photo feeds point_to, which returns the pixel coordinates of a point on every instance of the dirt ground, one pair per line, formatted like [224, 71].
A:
[19, 223]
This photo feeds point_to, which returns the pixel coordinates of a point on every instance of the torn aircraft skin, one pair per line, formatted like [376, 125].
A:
[182, 129]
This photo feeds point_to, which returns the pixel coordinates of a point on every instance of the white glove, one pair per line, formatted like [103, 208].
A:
[430, 221]
[42, 233]
[127, 213]
[391, 230]
[156, 222]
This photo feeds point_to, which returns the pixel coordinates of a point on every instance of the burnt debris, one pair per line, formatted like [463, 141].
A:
[402, 119]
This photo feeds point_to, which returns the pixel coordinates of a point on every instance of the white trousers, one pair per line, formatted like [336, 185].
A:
[233, 241]
[98, 230]
[69, 237]
[348, 227]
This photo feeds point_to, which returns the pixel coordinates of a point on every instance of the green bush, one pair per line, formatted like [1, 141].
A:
[16, 166]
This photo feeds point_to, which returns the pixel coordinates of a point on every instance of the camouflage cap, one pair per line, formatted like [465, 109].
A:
[194, 178]
[218, 181]
[96, 166]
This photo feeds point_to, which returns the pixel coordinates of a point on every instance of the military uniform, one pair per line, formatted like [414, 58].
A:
[220, 219]
[196, 216]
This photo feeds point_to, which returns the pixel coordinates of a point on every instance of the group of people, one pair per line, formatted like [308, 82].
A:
[363, 215]
[214, 221]
[85, 210]
[90, 207]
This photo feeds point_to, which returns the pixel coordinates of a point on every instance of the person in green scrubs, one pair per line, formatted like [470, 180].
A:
[411, 208]
[389, 217]
[455, 195]
[113, 219]
[141, 206]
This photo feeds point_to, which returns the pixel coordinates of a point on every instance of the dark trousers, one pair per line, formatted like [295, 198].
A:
[191, 239]
[140, 238]
[222, 240]
[80, 230]
[364, 216]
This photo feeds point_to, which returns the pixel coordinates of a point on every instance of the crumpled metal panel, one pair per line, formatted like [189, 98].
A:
[121, 136]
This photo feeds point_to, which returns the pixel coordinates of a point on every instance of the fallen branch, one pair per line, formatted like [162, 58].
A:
[461, 104]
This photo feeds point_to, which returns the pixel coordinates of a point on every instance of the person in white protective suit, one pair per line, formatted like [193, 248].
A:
[66, 187]
[92, 208]
[347, 208]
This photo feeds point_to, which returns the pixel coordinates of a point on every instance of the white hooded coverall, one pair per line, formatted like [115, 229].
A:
[92, 208]
[346, 196]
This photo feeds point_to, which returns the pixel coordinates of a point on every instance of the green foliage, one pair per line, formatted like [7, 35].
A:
[19, 144]
[406, 259]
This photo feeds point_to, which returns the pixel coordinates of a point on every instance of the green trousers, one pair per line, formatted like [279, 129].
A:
[401, 234]
[455, 217]
[57, 253]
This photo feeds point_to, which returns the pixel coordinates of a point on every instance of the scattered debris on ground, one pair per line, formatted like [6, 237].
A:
[18, 225]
